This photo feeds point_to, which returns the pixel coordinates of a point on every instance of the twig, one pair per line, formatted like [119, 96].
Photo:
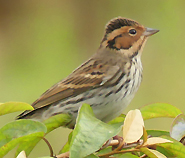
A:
[49, 145]
[63, 155]
[118, 152]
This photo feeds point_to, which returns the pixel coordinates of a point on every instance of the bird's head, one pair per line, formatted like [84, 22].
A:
[125, 35]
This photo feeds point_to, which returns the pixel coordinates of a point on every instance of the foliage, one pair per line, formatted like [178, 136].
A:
[92, 138]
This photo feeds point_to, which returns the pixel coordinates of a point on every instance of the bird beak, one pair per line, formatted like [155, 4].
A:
[150, 31]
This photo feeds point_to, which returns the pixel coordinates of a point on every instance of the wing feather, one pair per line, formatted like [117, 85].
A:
[92, 74]
[78, 82]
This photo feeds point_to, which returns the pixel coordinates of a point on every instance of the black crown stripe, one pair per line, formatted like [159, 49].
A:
[118, 23]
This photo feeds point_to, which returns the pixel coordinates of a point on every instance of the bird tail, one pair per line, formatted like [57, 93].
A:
[65, 120]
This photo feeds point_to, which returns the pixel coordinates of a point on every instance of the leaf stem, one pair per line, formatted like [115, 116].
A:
[118, 152]
[49, 145]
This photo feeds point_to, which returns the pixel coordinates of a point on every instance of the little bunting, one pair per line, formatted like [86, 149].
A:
[107, 81]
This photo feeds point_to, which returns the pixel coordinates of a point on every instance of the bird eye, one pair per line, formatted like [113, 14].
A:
[132, 31]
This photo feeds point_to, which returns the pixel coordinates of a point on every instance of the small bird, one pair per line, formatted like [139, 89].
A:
[107, 81]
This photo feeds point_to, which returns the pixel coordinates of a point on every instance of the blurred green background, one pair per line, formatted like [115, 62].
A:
[42, 41]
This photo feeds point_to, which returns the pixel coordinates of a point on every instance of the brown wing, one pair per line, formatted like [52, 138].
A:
[90, 75]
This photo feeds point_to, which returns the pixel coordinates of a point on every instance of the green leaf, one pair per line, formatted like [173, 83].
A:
[164, 151]
[148, 152]
[51, 124]
[21, 130]
[175, 149]
[9, 107]
[28, 144]
[90, 133]
[67, 145]
[157, 133]
[126, 155]
[105, 150]
[159, 110]
[45, 157]
[57, 121]
[92, 156]
[145, 135]
[120, 119]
